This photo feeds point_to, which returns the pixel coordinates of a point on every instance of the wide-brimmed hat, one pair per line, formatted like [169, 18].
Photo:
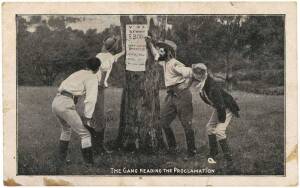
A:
[167, 44]
[110, 44]
[199, 68]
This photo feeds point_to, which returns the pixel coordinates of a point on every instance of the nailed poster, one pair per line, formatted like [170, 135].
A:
[136, 47]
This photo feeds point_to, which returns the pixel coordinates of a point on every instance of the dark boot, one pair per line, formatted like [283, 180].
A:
[213, 145]
[87, 154]
[190, 140]
[61, 158]
[226, 150]
[63, 150]
[98, 142]
[170, 138]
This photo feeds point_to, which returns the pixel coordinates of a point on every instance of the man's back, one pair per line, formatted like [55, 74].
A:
[175, 72]
[75, 82]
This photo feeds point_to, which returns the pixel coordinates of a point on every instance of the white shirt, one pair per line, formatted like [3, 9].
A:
[83, 82]
[175, 72]
[107, 60]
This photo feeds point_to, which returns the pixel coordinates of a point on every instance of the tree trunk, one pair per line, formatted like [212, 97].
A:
[139, 116]
[228, 79]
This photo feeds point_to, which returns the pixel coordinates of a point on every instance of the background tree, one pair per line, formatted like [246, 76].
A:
[227, 43]
[245, 51]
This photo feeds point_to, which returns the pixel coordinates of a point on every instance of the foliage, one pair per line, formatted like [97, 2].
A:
[53, 49]
[227, 44]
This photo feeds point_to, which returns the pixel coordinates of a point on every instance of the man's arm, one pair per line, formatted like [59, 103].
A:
[219, 104]
[150, 45]
[106, 77]
[91, 87]
[186, 72]
[116, 57]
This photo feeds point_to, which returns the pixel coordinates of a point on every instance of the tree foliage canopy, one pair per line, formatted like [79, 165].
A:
[246, 48]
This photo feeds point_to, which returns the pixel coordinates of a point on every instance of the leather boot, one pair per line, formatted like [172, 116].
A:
[225, 149]
[61, 158]
[63, 150]
[213, 145]
[87, 154]
[170, 138]
[98, 142]
[190, 140]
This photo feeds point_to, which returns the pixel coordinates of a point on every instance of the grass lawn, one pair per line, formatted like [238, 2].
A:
[256, 138]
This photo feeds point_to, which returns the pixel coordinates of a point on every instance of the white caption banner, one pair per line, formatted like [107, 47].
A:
[136, 52]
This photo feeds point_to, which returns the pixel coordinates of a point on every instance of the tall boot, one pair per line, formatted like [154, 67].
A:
[213, 145]
[61, 158]
[63, 150]
[98, 141]
[225, 149]
[190, 140]
[170, 138]
[87, 154]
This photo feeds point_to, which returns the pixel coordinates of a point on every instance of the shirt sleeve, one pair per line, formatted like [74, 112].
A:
[154, 52]
[117, 56]
[106, 61]
[99, 76]
[91, 86]
[180, 68]
[161, 63]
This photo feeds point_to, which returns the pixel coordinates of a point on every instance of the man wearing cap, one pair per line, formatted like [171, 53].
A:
[179, 98]
[224, 108]
[83, 82]
[110, 46]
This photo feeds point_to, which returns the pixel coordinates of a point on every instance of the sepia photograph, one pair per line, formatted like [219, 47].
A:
[158, 95]
[159, 119]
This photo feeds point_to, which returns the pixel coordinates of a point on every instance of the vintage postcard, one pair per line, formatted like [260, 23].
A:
[150, 93]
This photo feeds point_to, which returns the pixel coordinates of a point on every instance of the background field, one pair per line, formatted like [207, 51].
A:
[256, 139]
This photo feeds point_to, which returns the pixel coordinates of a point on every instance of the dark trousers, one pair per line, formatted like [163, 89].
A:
[178, 104]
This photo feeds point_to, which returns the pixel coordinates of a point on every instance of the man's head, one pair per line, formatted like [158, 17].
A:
[110, 44]
[167, 50]
[93, 64]
[199, 71]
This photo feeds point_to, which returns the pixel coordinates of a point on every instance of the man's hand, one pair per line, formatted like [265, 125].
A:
[87, 121]
[105, 84]
[148, 39]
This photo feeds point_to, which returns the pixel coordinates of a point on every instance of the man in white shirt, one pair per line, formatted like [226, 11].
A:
[179, 98]
[83, 82]
[110, 45]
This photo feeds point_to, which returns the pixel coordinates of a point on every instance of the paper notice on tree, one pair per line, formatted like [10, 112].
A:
[136, 52]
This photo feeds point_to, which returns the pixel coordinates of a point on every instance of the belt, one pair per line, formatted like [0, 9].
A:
[67, 94]
[176, 89]
[171, 92]
[70, 95]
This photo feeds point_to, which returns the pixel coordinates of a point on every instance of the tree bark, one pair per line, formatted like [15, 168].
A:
[228, 79]
[139, 116]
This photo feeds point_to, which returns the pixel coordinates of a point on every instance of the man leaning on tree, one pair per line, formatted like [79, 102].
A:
[107, 57]
[178, 101]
